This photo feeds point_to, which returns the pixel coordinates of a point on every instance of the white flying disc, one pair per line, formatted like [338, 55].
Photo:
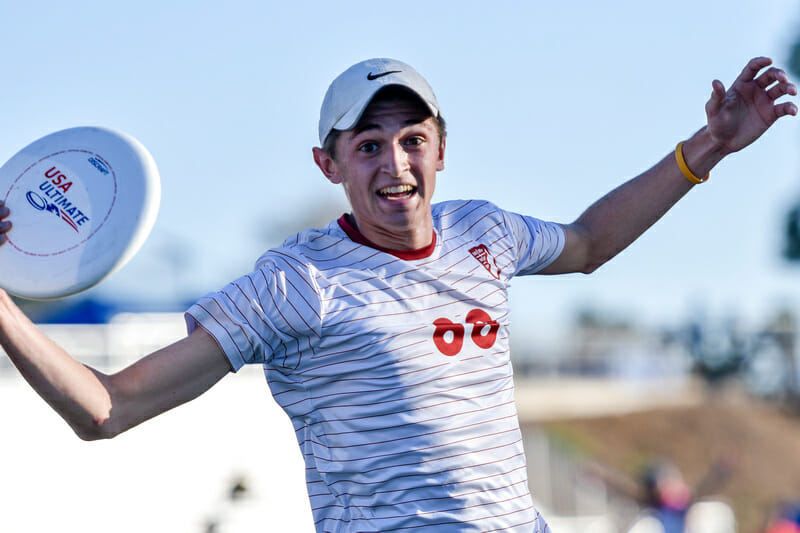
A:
[82, 201]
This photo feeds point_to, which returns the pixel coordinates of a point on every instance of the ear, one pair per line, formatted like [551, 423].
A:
[327, 165]
[440, 162]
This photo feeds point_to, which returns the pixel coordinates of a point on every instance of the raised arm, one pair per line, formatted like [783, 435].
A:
[736, 118]
[97, 405]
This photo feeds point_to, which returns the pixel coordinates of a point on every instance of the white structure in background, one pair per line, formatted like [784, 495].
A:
[174, 473]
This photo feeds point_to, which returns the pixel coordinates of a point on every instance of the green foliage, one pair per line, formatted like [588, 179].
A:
[791, 248]
[794, 58]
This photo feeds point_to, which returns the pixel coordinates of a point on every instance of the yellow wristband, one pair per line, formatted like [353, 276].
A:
[685, 168]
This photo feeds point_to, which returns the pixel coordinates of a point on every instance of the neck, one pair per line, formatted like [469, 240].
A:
[418, 238]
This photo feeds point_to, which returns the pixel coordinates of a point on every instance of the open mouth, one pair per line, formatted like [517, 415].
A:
[397, 192]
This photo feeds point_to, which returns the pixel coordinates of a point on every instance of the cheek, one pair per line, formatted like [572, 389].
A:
[354, 193]
[429, 185]
[433, 165]
[348, 190]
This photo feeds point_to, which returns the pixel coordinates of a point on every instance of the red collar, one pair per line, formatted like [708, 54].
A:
[408, 255]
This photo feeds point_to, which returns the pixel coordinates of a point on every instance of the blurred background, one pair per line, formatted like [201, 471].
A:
[673, 366]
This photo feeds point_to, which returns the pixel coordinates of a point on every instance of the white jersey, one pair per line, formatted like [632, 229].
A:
[394, 368]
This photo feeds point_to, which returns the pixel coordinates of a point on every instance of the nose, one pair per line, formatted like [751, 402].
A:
[395, 161]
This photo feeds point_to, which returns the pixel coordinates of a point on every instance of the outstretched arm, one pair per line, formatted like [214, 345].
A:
[97, 405]
[736, 118]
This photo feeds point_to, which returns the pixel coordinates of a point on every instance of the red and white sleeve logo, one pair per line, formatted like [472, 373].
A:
[481, 253]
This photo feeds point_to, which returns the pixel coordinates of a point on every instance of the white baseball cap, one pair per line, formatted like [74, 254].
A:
[350, 93]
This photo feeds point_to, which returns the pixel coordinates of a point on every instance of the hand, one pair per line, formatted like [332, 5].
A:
[740, 115]
[5, 225]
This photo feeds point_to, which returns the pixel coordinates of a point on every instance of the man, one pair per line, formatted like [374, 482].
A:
[385, 334]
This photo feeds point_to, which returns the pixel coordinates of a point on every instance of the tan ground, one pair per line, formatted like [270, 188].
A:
[762, 440]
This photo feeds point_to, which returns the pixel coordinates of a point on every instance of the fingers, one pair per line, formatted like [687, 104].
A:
[774, 81]
[752, 68]
[5, 225]
[776, 84]
[781, 89]
[770, 76]
[782, 86]
[785, 108]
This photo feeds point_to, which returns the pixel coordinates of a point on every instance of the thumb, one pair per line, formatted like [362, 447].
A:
[717, 97]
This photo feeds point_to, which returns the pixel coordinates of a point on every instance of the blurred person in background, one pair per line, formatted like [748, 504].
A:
[668, 503]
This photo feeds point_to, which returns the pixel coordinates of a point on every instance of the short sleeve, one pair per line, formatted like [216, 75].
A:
[538, 243]
[269, 315]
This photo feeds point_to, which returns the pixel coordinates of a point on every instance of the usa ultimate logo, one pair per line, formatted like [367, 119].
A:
[52, 197]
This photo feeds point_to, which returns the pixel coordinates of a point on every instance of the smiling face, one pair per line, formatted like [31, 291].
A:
[387, 165]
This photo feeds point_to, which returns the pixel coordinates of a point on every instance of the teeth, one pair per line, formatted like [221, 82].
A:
[397, 189]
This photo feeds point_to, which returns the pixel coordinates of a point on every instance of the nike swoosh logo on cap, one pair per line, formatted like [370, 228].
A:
[372, 76]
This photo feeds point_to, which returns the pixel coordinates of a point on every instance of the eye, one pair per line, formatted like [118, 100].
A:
[368, 147]
[414, 141]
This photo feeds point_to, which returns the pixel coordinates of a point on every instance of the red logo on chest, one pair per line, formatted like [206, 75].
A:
[481, 253]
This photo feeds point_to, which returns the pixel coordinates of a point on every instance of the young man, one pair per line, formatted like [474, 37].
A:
[385, 334]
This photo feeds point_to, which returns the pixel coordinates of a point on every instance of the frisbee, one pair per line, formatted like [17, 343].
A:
[83, 201]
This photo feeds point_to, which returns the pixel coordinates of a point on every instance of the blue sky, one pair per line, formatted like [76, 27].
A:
[549, 106]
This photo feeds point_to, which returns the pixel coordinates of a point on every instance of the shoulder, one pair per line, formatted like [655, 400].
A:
[305, 247]
[468, 216]
[464, 210]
